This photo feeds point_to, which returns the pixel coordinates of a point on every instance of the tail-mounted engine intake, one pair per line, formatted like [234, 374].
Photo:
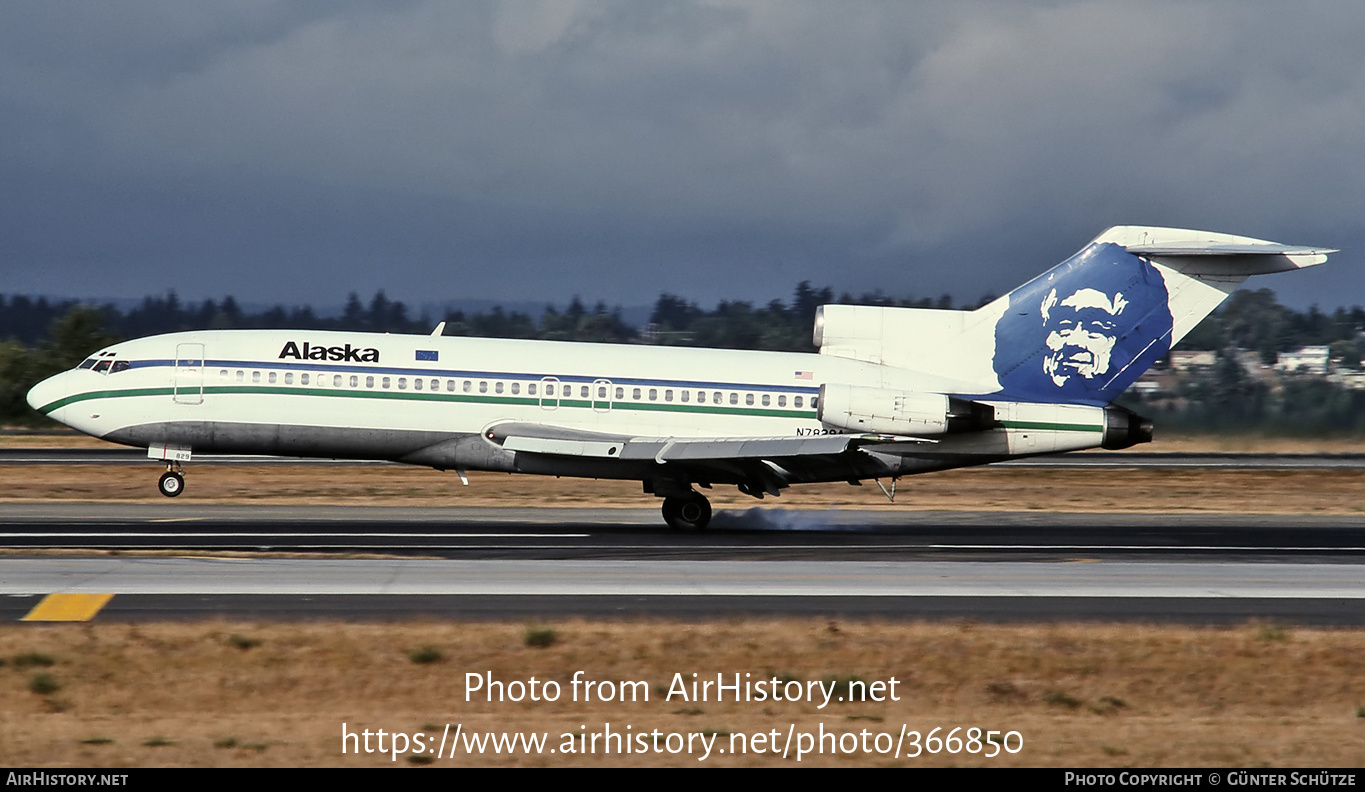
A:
[861, 409]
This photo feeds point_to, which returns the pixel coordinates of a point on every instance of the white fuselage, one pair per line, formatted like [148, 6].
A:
[398, 397]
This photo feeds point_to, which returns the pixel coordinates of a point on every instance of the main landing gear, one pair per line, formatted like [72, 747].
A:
[172, 482]
[690, 512]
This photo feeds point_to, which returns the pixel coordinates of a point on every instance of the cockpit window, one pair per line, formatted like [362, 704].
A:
[120, 365]
[87, 364]
[103, 366]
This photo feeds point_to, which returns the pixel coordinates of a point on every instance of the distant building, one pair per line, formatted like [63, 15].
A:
[1348, 378]
[1185, 360]
[1304, 360]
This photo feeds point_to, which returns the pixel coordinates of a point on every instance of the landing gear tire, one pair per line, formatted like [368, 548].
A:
[171, 484]
[687, 513]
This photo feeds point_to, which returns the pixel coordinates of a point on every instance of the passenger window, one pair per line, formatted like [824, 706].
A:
[272, 376]
[417, 384]
[288, 378]
[497, 387]
[402, 383]
[549, 389]
[734, 398]
[531, 389]
[781, 401]
[355, 381]
[635, 394]
[814, 402]
[749, 399]
[516, 388]
[796, 402]
[620, 393]
[369, 382]
[668, 395]
[435, 385]
[686, 395]
[483, 386]
[701, 397]
[221, 374]
[255, 376]
[450, 386]
[653, 394]
[384, 383]
[583, 391]
[303, 378]
[467, 385]
[241, 376]
[766, 398]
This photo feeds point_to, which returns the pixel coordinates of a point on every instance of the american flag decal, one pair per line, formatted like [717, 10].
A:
[803, 375]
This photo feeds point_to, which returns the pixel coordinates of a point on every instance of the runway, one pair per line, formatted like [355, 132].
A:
[554, 563]
[758, 533]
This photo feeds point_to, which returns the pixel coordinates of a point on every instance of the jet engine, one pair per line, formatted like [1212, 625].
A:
[862, 409]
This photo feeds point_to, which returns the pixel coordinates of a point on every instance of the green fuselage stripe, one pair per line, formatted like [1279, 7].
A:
[1050, 426]
[457, 398]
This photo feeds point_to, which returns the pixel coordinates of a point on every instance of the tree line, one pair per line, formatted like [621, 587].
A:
[40, 337]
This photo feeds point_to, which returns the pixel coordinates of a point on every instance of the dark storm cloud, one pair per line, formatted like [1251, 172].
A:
[533, 150]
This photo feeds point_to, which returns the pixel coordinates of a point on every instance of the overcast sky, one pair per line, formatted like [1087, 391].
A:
[296, 151]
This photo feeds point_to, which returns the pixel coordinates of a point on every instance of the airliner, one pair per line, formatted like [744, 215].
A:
[891, 391]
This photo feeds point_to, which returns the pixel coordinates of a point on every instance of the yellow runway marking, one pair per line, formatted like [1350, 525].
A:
[68, 607]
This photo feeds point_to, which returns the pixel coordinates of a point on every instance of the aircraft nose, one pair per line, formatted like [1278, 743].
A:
[47, 396]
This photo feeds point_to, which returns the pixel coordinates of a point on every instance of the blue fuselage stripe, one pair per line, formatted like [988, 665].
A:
[321, 367]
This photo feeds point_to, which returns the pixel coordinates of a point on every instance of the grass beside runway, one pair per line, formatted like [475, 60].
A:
[252, 694]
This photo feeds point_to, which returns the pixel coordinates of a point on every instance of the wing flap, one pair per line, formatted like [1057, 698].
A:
[697, 449]
[560, 441]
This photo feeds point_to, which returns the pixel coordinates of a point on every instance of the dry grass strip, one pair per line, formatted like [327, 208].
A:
[251, 694]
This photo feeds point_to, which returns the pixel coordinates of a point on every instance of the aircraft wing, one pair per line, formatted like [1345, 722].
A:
[760, 465]
[559, 441]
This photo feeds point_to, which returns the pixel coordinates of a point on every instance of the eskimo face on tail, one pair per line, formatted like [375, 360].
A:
[1084, 331]
[1081, 333]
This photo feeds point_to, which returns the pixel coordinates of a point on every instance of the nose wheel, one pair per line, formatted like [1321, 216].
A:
[172, 483]
[691, 512]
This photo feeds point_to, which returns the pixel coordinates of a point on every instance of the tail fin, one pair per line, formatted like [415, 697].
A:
[1080, 333]
[1087, 329]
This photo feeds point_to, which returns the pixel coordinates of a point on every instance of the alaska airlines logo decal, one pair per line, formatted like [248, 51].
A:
[1084, 331]
[1080, 337]
[346, 353]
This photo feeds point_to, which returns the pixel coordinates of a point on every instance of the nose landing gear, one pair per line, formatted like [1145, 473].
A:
[172, 482]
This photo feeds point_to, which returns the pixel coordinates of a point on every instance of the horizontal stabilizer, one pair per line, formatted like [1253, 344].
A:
[1206, 253]
[1196, 249]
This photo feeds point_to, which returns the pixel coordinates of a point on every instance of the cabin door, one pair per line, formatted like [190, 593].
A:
[549, 393]
[189, 374]
[601, 395]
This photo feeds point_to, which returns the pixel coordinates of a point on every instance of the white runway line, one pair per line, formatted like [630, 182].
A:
[26, 576]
